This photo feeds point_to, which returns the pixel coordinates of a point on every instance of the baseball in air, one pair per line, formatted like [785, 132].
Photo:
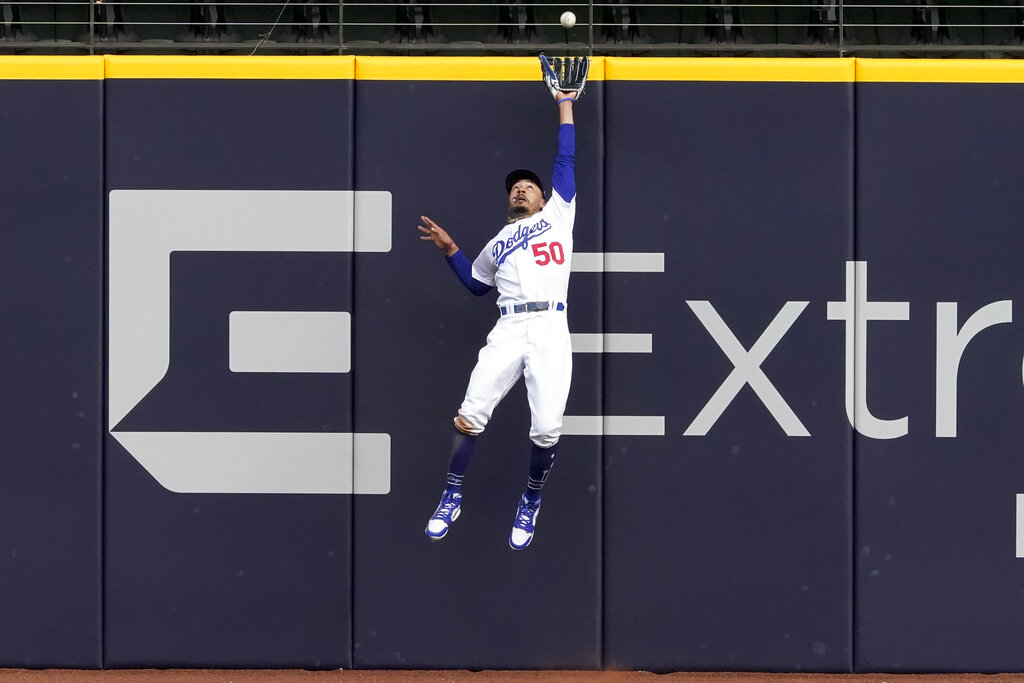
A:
[568, 19]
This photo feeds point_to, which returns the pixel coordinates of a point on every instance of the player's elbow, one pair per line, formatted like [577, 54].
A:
[479, 289]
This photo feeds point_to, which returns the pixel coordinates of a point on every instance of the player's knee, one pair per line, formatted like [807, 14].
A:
[467, 427]
[545, 440]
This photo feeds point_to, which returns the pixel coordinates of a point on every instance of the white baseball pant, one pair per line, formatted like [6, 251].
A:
[531, 345]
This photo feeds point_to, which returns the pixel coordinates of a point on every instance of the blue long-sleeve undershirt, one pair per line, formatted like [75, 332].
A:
[464, 269]
[563, 178]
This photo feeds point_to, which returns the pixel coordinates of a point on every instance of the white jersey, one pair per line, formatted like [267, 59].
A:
[529, 260]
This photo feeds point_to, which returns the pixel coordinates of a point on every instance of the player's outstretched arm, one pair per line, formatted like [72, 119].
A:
[565, 103]
[563, 177]
[436, 234]
[456, 259]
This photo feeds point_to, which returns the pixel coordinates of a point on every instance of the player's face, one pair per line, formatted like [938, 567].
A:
[525, 199]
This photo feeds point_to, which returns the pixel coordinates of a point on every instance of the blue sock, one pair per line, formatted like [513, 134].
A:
[462, 450]
[541, 460]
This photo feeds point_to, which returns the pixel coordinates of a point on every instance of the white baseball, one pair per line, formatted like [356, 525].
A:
[568, 19]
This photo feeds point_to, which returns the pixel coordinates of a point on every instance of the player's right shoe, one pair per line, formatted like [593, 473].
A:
[447, 511]
[526, 522]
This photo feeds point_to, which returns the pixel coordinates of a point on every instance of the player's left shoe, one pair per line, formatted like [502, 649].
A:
[526, 522]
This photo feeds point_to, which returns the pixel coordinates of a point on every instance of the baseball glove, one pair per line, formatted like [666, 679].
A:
[565, 74]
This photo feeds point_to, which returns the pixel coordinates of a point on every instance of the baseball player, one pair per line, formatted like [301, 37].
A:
[528, 262]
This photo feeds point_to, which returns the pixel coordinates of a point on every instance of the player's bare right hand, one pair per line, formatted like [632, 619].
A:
[436, 234]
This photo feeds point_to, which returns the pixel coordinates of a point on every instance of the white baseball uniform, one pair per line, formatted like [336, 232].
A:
[528, 262]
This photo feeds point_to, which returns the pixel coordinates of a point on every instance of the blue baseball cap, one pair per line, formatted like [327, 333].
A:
[522, 174]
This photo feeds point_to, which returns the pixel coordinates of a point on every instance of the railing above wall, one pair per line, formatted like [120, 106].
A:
[989, 29]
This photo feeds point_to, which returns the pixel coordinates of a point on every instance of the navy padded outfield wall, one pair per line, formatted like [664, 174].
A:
[727, 537]
[232, 366]
[939, 575]
[51, 270]
[260, 577]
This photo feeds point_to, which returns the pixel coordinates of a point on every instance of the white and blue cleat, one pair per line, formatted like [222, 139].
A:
[526, 521]
[447, 512]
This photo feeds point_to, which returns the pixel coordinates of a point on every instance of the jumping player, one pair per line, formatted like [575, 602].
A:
[528, 261]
